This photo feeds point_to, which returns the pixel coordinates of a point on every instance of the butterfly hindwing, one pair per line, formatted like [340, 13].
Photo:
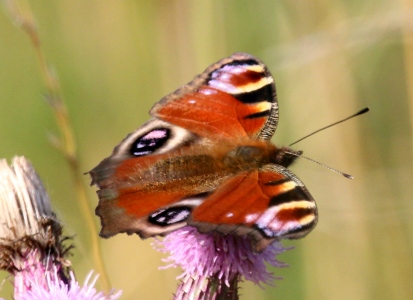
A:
[267, 204]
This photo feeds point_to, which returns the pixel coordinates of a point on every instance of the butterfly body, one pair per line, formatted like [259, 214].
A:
[205, 160]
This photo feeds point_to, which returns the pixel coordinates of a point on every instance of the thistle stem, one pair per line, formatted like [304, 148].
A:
[211, 288]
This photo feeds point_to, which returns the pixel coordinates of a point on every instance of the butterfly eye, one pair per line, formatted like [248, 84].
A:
[165, 217]
[150, 142]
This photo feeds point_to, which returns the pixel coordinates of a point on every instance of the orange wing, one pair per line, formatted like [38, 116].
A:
[267, 204]
[233, 99]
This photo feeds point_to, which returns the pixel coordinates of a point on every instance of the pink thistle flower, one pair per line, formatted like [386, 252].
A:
[213, 264]
[56, 289]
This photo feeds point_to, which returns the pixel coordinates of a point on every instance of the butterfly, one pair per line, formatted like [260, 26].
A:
[205, 159]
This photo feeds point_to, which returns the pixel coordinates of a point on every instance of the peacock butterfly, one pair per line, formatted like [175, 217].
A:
[205, 159]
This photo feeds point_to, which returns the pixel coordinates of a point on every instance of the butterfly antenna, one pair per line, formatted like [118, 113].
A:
[364, 110]
[323, 165]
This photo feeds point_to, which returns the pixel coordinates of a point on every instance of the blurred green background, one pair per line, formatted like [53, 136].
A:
[115, 59]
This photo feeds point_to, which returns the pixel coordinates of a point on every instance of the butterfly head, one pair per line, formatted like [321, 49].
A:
[285, 156]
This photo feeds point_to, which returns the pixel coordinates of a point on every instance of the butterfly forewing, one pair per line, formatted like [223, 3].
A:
[204, 159]
[233, 99]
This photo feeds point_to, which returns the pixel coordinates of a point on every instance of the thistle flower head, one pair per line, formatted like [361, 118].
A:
[32, 247]
[31, 242]
[210, 257]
